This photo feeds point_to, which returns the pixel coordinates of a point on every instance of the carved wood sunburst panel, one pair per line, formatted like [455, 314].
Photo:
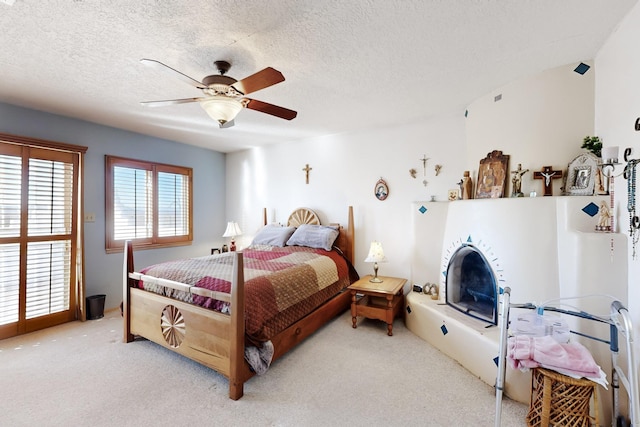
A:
[303, 216]
[173, 326]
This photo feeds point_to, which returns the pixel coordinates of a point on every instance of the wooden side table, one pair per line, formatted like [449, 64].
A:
[382, 301]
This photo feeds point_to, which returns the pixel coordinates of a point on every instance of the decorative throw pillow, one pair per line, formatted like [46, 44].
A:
[314, 236]
[273, 235]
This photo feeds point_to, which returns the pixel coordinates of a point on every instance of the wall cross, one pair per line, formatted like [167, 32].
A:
[424, 164]
[307, 169]
[548, 174]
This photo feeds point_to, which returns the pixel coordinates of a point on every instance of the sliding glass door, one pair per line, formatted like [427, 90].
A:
[39, 224]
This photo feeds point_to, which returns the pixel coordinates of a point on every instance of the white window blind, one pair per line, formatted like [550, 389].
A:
[173, 204]
[133, 203]
[50, 213]
[9, 282]
[11, 184]
[10, 196]
[148, 203]
[48, 275]
[36, 260]
[50, 197]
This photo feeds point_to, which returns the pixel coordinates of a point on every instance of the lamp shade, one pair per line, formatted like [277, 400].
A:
[232, 230]
[221, 108]
[376, 254]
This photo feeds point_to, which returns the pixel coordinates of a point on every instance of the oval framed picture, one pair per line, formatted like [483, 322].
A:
[381, 190]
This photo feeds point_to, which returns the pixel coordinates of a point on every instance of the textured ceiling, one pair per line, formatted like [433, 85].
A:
[348, 65]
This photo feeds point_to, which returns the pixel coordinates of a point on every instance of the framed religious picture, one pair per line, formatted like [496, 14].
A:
[381, 190]
[492, 176]
[581, 175]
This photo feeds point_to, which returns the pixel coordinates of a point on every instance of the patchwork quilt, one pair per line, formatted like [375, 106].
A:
[282, 285]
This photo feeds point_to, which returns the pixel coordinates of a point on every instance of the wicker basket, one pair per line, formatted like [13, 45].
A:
[559, 400]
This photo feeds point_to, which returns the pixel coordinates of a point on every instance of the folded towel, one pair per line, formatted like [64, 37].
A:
[531, 352]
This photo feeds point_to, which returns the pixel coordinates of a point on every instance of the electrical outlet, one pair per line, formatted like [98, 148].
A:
[90, 217]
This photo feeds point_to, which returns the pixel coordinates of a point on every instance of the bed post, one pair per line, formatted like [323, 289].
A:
[350, 253]
[264, 216]
[236, 336]
[127, 267]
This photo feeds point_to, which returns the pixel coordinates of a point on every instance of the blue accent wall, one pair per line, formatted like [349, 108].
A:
[103, 272]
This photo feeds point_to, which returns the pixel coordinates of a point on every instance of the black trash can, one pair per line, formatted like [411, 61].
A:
[95, 307]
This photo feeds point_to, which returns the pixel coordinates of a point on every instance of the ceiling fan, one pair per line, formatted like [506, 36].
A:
[224, 95]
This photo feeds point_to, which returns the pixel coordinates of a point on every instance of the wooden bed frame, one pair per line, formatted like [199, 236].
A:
[215, 339]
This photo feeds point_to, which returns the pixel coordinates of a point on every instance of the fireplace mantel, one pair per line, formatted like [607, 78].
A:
[540, 247]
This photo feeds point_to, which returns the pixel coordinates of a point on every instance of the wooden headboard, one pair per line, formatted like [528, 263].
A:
[346, 238]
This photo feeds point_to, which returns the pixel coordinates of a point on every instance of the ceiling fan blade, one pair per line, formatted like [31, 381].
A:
[175, 73]
[274, 110]
[169, 102]
[260, 80]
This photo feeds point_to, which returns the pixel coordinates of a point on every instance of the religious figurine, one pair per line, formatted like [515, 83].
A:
[517, 181]
[604, 221]
[466, 187]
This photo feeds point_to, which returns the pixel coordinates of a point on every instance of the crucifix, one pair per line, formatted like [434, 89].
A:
[307, 169]
[424, 164]
[548, 174]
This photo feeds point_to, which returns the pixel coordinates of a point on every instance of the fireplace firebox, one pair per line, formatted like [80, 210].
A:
[471, 285]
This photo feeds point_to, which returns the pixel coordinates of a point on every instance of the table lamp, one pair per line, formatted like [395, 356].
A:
[232, 231]
[376, 255]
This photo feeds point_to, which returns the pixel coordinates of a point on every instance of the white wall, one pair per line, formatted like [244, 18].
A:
[553, 110]
[617, 106]
[539, 121]
[344, 171]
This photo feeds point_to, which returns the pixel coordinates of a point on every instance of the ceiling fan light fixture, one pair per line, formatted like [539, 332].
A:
[221, 108]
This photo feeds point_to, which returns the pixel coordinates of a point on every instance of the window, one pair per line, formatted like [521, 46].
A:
[147, 203]
[40, 236]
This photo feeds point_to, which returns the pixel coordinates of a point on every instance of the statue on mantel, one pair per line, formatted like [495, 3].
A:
[517, 181]
[604, 221]
[466, 187]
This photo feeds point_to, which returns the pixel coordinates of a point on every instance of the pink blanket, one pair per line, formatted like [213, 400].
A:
[532, 352]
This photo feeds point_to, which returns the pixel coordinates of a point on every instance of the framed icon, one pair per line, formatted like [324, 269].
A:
[581, 175]
[381, 190]
[492, 175]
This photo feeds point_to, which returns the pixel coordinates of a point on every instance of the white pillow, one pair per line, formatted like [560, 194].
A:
[273, 235]
[314, 236]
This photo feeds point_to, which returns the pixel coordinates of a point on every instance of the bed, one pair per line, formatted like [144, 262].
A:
[213, 320]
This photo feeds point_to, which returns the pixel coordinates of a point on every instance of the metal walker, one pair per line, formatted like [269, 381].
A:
[619, 322]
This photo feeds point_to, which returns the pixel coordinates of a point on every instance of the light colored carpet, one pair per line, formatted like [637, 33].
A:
[82, 374]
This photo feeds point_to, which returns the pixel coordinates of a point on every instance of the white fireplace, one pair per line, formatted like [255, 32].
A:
[542, 248]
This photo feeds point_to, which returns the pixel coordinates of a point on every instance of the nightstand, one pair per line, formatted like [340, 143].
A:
[382, 301]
